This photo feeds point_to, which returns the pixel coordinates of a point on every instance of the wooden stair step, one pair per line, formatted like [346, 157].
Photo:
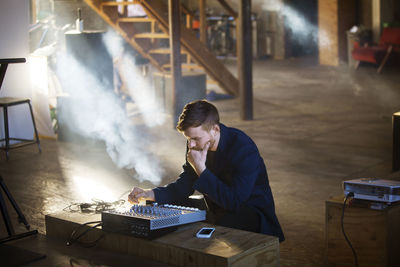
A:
[136, 19]
[114, 3]
[163, 51]
[151, 35]
[211, 81]
[184, 66]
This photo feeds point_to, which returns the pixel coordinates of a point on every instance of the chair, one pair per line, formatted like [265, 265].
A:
[389, 43]
[5, 103]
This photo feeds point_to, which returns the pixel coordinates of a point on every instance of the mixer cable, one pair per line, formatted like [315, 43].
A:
[75, 237]
[96, 206]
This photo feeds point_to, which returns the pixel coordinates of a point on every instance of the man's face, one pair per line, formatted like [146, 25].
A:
[198, 137]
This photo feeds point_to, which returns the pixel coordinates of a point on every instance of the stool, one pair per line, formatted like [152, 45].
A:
[6, 102]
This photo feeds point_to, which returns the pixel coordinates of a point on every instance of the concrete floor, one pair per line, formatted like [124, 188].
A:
[315, 126]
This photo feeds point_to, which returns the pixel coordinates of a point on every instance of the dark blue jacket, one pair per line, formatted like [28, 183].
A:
[238, 177]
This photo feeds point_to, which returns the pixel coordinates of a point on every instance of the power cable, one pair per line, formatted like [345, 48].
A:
[351, 194]
[75, 237]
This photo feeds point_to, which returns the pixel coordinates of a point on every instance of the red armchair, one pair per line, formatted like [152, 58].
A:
[389, 43]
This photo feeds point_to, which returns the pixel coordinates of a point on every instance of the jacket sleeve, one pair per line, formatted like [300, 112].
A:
[179, 190]
[245, 167]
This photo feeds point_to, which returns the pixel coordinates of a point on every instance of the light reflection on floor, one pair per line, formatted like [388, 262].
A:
[88, 189]
[88, 176]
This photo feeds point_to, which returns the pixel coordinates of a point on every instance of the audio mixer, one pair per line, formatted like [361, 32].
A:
[149, 221]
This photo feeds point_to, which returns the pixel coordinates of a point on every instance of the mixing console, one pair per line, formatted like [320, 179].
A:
[150, 220]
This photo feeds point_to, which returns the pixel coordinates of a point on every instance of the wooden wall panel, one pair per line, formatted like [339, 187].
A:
[335, 17]
[328, 32]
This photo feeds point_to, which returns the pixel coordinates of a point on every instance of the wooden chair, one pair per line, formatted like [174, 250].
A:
[5, 103]
[389, 43]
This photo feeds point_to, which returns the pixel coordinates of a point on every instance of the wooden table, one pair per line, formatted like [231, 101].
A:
[374, 234]
[227, 247]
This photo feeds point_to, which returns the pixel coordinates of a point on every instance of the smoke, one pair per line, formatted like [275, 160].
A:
[138, 87]
[299, 25]
[97, 112]
[301, 28]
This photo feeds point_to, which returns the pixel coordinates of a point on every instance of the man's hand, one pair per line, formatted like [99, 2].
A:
[197, 158]
[138, 194]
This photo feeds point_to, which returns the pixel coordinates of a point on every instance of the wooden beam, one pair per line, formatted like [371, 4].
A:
[228, 8]
[33, 11]
[203, 22]
[175, 45]
[189, 16]
[153, 29]
[245, 60]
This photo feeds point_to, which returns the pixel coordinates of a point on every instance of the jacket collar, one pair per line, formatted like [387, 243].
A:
[223, 138]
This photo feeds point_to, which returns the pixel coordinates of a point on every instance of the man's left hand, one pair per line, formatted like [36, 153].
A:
[197, 158]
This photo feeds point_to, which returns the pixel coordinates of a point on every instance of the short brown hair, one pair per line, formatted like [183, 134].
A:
[196, 113]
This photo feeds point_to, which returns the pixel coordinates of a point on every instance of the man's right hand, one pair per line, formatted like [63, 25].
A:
[138, 194]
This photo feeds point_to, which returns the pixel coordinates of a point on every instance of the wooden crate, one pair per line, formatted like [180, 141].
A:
[227, 247]
[374, 234]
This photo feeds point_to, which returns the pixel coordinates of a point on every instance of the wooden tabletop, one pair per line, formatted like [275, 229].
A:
[226, 247]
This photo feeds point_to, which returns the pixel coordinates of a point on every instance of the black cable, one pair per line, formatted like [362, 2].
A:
[344, 234]
[97, 206]
[74, 239]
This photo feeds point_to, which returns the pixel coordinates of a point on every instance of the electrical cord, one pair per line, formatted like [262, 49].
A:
[351, 194]
[97, 206]
[74, 238]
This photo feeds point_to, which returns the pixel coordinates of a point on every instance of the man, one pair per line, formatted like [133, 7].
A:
[225, 166]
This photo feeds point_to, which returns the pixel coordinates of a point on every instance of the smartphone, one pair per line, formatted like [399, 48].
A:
[205, 232]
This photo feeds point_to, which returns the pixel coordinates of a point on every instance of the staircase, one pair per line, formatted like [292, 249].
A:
[149, 37]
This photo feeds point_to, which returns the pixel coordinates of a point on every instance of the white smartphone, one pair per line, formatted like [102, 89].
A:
[205, 232]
